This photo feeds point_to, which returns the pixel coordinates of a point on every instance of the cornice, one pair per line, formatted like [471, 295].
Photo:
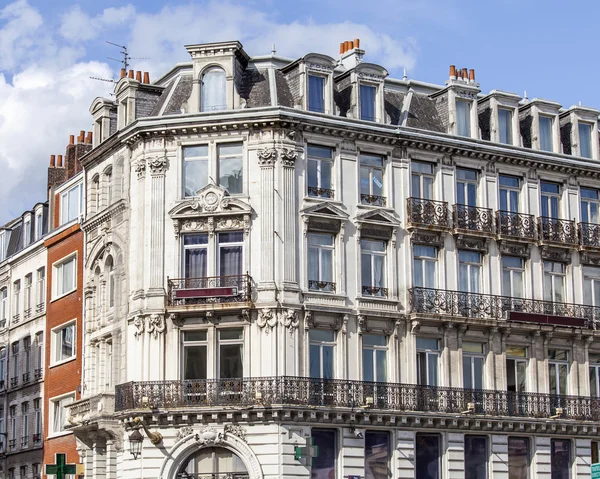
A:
[104, 216]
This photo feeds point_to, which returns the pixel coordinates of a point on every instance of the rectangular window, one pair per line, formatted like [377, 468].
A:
[27, 359]
[15, 363]
[58, 413]
[195, 252]
[37, 431]
[558, 370]
[473, 360]
[24, 424]
[319, 171]
[428, 353]
[554, 281]
[64, 343]
[316, 93]
[591, 285]
[510, 187]
[26, 233]
[194, 354]
[231, 169]
[560, 464]
[41, 290]
[595, 451]
[594, 362]
[421, 180]
[518, 458]
[3, 368]
[3, 304]
[3, 245]
[516, 367]
[231, 359]
[428, 456]
[23, 472]
[466, 187]
[39, 225]
[65, 276]
[513, 270]
[324, 465]
[367, 102]
[550, 199]
[505, 126]
[424, 266]
[590, 205]
[27, 295]
[320, 262]
[71, 204]
[16, 299]
[585, 139]
[39, 359]
[322, 346]
[377, 455]
[231, 247]
[546, 142]
[373, 254]
[371, 180]
[463, 118]
[195, 169]
[374, 351]
[476, 457]
[12, 412]
[469, 271]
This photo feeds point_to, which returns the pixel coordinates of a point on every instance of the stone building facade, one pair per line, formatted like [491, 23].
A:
[281, 254]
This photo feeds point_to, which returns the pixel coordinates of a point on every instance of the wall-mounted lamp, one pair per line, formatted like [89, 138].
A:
[135, 443]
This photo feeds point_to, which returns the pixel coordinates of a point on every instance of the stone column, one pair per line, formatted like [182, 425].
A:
[289, 224]
[266, 287]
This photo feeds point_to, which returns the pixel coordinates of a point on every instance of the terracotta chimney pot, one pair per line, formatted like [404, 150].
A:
[341, 48]
[123, 73]
[130, 73]
[88, 138]
[138, 76]
[347, 43]
[464, 74]
[59, 162]
[357, 43]
[452, 71]
[71, 139]
[81, 136]
[52, 161]
[471, 75]
[146, 78]
[351, 44]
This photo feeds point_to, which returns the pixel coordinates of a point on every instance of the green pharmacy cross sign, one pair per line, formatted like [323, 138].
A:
[308, 451]
[595, 471]
[61, 468]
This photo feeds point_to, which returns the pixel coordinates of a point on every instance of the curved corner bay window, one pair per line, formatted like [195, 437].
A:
[319, 167]
[195, 169]
[214, 90]
[560, 465]
[195, 248]
[213, 462]
[377, 455]
[324, 465]
[428, 456]
[518, 458]
[585, 139]
[374, 352]
[316, 93]
[476, 457]
[373, 254]
[320, 262]
[231, 168]
[367, 102]
[322, 346]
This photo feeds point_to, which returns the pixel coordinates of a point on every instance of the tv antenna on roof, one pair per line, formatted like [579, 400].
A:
[125, 61]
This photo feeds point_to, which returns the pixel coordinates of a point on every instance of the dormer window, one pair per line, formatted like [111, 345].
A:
[213, 92]
[546, 142]
[368, 95]
[26, 232]
[316, 93]
[39, 225]
[463, 118]
[505, 118]
[585, 139]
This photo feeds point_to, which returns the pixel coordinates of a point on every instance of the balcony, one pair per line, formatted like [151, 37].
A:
[375, 291]
[427, 214]
[37, 373]
[40, 308]
[557, 232]
[316, 192]
[372, 200]
[209, 290]
[12, 444]
[24, 441]
[473, 219]
[90, 409]
[14, 382]
[589, 235]
[26, 377]
[516, 226]
[286, 391]
[487, 306]
[16, 318]
[27, 313]
[321, 286]
[37, 439]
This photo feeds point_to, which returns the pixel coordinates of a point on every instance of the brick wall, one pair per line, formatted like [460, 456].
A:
[64, 378]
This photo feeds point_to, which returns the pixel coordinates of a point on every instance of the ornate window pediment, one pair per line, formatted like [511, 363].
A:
[376, 224]
[211, 210]
[323, 217]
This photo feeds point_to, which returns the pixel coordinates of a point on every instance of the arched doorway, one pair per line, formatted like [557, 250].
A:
[213, 463]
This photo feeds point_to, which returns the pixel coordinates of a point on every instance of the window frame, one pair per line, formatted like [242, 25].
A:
[472, 356]
[53, 345]
[319, 249]
[228, 342]
[469, 104]
[546, 198]
[590, 129]
[419, 176]
[518, 359]
[320, 190]
[469, 468]
[553, 276]
[320, 343]
[205, 343]
[372, 254]
[373, 349]
[375, 87]
[554, 456]
[419, 470]
[219, 158]
[470, 267]
[423, 356]
[557, 363]
[528, 452]
[55, 281]
[421, 261]
[203, 108]
[371, 171]
[508, 191]
[587, 204]
[325, 79]
[52, 402]
[512, 271]
[550, 139]
[509, 133]
[65, 195]
[389, 455]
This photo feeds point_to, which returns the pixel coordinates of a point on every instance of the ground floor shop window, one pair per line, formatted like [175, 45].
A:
[518, 458]
[476, 457]
[427, 456]
[323, 466]
[377, 455]
[560, 465]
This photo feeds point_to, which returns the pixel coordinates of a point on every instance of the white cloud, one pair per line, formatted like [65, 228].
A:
[77, 25]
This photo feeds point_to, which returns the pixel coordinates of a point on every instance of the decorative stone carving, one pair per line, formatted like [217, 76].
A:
[140, 168]
[289, 157]
[267, 319]
[158, 165]
[209, 436]
[514, 249]
[245, 316]
[591, 259]
[156, 324]
[475, 244]
[428, 238]
[236, 430]
[289, 319]
[184, 432]
[267, 157]
[362, 324]
[555, 254]
[138, 322]
[230, 222]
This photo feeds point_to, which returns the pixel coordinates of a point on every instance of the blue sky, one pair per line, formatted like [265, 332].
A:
[48, 50]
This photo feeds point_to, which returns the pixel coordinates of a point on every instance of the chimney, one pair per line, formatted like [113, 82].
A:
[342, 50]
[146, 78]
[52, 161]
[71, 139]
[357, 43]
[130, 73]
[123, 73]
[138, 76]
[351, 54]
[472, 76]
[59, 163]
[464, 75]
[88, 138]
[452, 72]
[81, 136]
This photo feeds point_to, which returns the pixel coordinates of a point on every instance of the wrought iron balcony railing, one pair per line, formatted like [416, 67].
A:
[589, 235]
[477, 305]
[40, 307]
[37, 373]
[12, 444]
[376, 291]
[557, 231]
[334, 393]
[517, 225]
[24, 441]
[473, 218]
[26, 377]
[372, 200]
[320, 192]
[37, 438]
[430, 213]
[2, 323]
[27, 313]
[16, 318]
[208, 290]
[321, 286]
[14, 382]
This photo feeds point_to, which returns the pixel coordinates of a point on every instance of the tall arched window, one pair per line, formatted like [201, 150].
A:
[96, 194]
[213, 90]
[213, 462]
[110, 269]
[108, 177]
